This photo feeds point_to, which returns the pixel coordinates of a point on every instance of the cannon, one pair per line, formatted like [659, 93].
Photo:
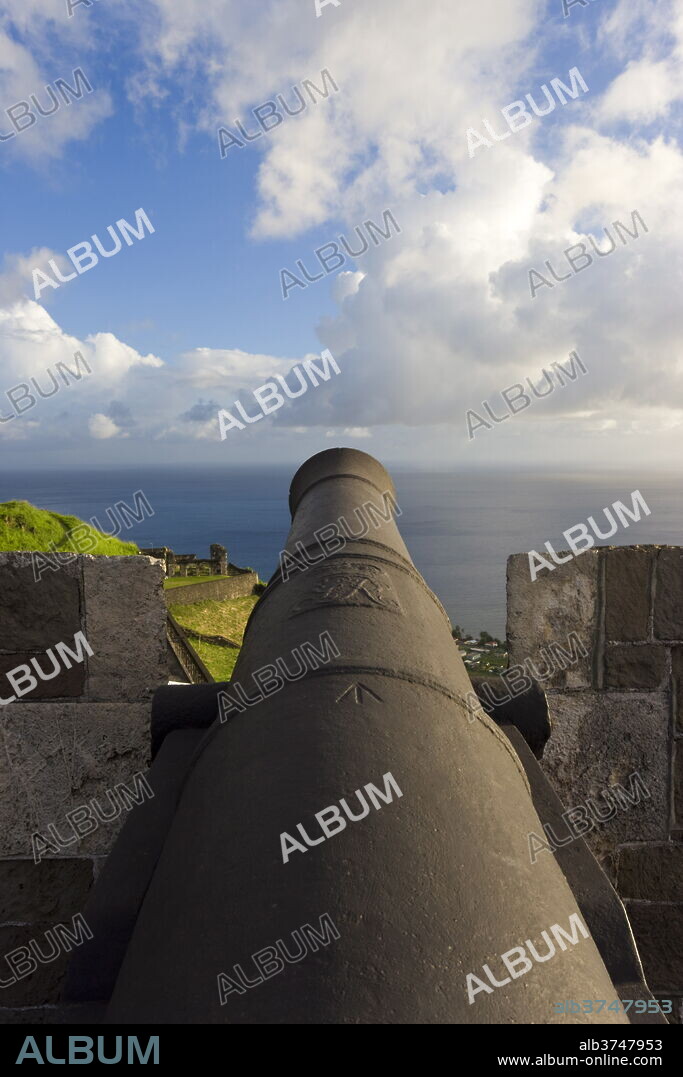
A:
[339, 834]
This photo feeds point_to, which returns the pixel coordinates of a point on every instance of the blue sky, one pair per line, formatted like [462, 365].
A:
[223, 286]
[427, 324]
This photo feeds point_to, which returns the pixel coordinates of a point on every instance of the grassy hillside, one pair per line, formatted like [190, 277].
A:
[24, 527]
[227, 619]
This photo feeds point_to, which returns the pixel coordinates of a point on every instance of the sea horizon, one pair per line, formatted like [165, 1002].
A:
[459, 525]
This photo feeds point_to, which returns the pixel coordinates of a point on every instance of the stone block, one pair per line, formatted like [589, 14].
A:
[55, 758]
[547, 610]
[125, 617]
[68, 684]
[641, 665]
[651, 873]
[668, 617]
[677, 686]
[37, 615]
[627, 592]
[658, 931]
[678, 785]
[50, 890]
[600, 739]
[43, 985]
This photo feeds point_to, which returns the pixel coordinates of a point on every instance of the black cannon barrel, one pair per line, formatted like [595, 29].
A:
[423, 908]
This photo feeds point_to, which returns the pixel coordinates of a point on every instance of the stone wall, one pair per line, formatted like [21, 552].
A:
[72, 739]
[188, 564]
[618, 712]
[214, 591]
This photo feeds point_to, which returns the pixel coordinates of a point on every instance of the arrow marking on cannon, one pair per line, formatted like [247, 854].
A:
[358, 690]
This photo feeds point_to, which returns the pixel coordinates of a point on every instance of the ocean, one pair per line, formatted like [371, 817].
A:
[459, 527]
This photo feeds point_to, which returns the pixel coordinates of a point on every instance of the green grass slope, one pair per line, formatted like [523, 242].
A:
[227, 618]
[24, 527]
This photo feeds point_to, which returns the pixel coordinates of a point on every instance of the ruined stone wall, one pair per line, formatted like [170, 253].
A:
[618, 712]
[213, 591]
[72, 739]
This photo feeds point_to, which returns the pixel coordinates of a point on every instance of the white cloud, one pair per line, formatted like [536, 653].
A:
[102, 428]
[31, 341]
[647, 36]
[65, 375]
[230, 368]
[113, 359]
[440, 318]
[644, 92]
[395, 120]
[16, 279]
[21, 76]
[345, 284]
